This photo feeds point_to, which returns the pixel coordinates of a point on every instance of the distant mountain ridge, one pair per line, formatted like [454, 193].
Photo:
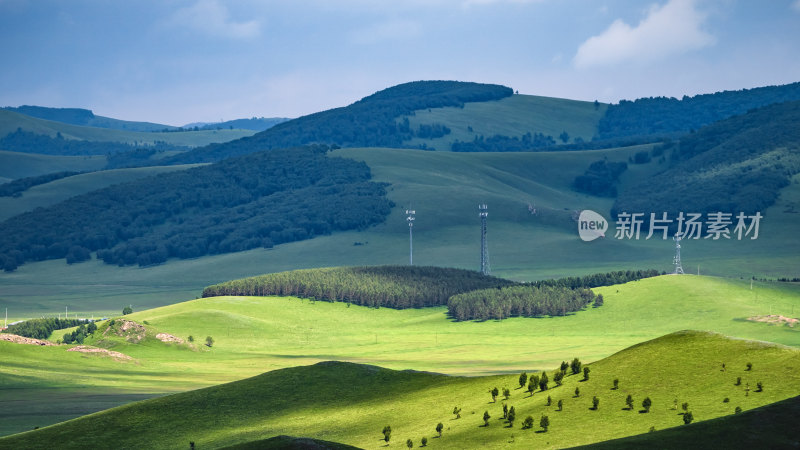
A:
[254, 123]
[85, 117]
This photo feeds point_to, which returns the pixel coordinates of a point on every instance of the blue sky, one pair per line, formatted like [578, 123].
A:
[181, 61]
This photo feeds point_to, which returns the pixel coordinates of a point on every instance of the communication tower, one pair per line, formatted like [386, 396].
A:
[410, 219]
[483, 211]
[677, 260]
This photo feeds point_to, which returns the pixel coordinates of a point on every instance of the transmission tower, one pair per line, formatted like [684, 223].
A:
[484, 213]
[677, 260]
[410, 219]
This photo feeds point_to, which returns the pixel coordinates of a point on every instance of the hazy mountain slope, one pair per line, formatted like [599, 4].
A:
[735, 165]
[370, 121]
[85, 117]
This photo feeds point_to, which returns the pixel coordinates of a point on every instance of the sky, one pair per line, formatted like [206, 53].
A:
[181, 61]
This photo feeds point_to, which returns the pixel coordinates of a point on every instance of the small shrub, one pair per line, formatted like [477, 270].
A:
[726, 400]
[209, 341]
[616, 384]
[495, 392]
[586, 371]
[523, 378]
[549, 401]
[577, 392]
[629, 402]
[191, 338]
[527, 423]
[127, 310]
[424, 442]
[688, 418]
[439, 428]
[387, 433]
[457, 412]
[737, 410]
[512, 416]
[561, 405]
[595, 403]
[409, 443]
[759, 387]
[685, 406]
[506, 393]
[738, 381]
[646, 404]
[486, 418]
[749, 366]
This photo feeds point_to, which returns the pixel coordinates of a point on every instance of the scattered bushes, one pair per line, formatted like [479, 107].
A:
[43, 328]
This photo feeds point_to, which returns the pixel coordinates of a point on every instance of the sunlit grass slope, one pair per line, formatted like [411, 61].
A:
[257, 334]
[351, 403]
[512, 116]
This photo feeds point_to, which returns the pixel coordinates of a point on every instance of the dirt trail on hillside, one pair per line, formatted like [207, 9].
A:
[23, 340]
[102, 351]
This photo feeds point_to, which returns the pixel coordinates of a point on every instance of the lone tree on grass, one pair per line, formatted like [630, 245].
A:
[209, 341]
[549, 401]
[512, 416]
[543, 382]
[738, 381]
[127, 310]
[646, 404]
[737, 410]
[506, 393]
[629, 402]
[409, 443]
[544, 422]
[495, 392]
[575, 366]
[561, 405]
[685, 407]
[531, 387]
[558, 377]
[505, 411]
[486, 418]
[577, 392]
[586, 371]
[387, 433]
[457, 412]
[523, 378]
[564, 367]
[439, 428]
[616, 384]
[687, 418]
[749, 366]
[759, 387]
[424, 442]
[595, 403]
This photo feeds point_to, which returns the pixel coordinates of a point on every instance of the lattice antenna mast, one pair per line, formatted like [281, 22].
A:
[410, 213]
[483, 211]
[677, 260]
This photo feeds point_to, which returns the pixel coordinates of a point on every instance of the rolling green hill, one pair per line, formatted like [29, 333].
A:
[85, 117]
[15, 165]
[11, 121]
[256, 334]
[351, 403]
[511, 116]
[62, 189]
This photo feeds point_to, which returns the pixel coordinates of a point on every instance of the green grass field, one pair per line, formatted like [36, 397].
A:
[253, 335]
[512, 116]
[351, 403]
[10, 121]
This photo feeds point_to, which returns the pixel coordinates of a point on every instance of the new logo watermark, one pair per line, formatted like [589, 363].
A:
[591, 225]
[717, 225]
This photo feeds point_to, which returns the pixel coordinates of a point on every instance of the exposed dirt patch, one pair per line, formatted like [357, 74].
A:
[775, 319]
[164, 337]
[23, 340]
[102, 351]
[130, 330]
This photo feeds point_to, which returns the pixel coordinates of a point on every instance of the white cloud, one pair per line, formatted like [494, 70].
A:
[388, 30]
[667, 30]
[213, 18]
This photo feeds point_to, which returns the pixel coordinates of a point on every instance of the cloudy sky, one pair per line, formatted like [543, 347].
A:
[181, 61]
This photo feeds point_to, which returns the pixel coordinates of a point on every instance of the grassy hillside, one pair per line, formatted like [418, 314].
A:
[256, 334]
[85, 117]
[444, 188]
[10, 121]
[351, 403]
[511, 116]
[62, 189]
[20, 165]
